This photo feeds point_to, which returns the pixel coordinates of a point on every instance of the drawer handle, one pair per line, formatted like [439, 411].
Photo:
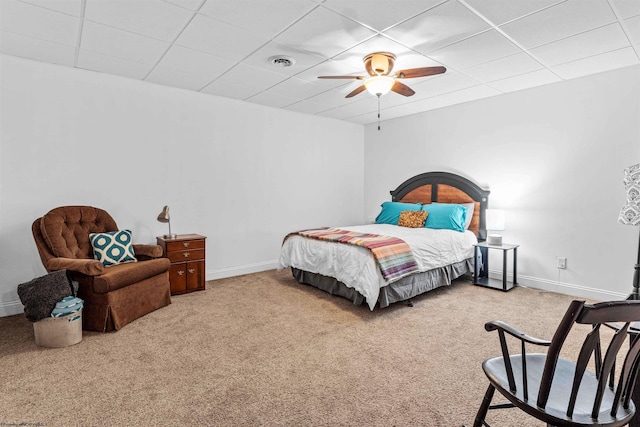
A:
[186, 244]
[186, 254]
[180, 272]
[192, 270]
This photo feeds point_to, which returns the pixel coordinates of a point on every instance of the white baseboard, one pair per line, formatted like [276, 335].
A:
[561, 287]
[240, 270]
[11, 308]
[15, 307]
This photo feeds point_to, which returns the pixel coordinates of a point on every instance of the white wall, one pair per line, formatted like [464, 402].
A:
[242, 174]
[553, 158]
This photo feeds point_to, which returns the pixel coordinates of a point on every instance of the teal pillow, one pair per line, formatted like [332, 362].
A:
[112, 248]
[390, 213]
[470, 207]
[445, 216]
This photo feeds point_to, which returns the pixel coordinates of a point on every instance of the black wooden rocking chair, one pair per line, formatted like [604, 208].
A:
[564, 393]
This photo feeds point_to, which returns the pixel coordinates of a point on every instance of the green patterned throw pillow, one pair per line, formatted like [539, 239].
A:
[112, 248]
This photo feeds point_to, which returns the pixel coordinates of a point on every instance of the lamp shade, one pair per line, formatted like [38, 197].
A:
[630, 212]
[495, 219]
[164, 215]
[379, 85]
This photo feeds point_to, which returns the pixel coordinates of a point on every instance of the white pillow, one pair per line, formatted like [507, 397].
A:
[470, 208]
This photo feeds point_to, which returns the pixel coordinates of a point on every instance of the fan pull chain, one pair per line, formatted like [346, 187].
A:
[378, 111]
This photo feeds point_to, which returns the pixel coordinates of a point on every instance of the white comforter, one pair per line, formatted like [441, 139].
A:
[355, 266]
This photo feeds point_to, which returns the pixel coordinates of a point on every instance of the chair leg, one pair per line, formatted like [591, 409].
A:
[484, 407]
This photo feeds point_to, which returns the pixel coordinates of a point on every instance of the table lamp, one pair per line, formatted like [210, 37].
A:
[495, 222]
[630, 215]
[166, 218]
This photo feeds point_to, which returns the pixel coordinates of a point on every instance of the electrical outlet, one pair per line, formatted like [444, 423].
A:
[562, 262]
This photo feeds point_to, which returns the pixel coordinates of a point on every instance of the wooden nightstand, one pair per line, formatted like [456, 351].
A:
[187, 255]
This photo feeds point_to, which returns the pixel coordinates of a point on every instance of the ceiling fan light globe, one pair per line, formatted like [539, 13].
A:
[379, 85]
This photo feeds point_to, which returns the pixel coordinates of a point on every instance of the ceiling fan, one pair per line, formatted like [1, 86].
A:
[380, 80]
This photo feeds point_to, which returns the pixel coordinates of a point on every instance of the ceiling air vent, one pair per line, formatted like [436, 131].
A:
[282, 61]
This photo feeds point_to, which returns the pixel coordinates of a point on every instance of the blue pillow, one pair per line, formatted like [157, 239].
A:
[445, 216]
[390, 213]
[470, 207]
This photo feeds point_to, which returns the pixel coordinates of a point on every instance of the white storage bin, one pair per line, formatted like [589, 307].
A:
[60, 331]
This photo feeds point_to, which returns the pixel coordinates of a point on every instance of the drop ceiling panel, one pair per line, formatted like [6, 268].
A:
[170, 77]
[596, 64]
[151, 18]
[526, 81]
[222, 47]
[122, 44]
[562, 20]
[502, 11]
[467, 95]
[380, 14]
[36, 49]
[324, 33]
[110, 65]
[70, 7]
[230, 90]
[255, 79]
[627, 8]
[366, 105]
[219, 38]
[442, 84]
[633, 26]
[457, 97]
[195, 62]
[295, 88]
[364, 119]
[475, 50]
[263, 17]
[334, 98]
[188, 4]
[306, 107]
[438, 27]
[37, 22]
[502, 68]
[590, 43]
[272, 100]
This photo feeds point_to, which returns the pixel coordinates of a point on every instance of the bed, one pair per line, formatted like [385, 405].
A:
[441, 255]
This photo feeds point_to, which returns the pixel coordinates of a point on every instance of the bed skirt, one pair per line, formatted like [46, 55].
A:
[401, 290]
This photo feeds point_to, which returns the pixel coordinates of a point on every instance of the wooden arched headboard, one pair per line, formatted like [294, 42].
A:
[446, 187]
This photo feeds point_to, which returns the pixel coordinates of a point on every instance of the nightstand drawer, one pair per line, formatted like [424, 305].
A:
[185, 245]
[187, 255]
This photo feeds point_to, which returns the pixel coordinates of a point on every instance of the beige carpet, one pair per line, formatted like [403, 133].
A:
[263, 350]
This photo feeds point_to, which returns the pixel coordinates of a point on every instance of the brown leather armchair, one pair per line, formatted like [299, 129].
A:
[113, 296]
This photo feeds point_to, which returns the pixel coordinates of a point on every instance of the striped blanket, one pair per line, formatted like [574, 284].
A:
[392, 255]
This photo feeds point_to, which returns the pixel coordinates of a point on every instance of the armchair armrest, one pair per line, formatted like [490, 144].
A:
[499, 325]
[149, 251]
[89, 267]
[502, 328]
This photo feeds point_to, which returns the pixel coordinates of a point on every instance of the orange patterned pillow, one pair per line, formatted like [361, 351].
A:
[412, 219]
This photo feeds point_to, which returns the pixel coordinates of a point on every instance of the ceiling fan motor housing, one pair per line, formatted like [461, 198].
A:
[379, 63]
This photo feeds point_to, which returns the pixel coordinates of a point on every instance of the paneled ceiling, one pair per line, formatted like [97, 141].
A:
[222, 47]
